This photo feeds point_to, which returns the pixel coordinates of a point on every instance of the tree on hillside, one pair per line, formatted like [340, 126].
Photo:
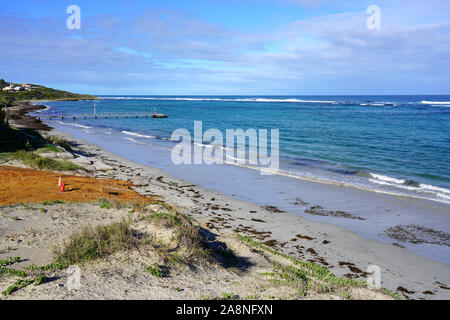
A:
[6, 101]
[3, 83]
[3, 121]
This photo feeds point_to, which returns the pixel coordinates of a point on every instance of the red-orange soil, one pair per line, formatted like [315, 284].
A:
[18, 185]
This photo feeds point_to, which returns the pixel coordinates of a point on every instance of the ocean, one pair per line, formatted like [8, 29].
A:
[385, 159]
[390, 144]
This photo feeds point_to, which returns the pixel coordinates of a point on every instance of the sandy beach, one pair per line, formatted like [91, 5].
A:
[225, 150]
[344, 253]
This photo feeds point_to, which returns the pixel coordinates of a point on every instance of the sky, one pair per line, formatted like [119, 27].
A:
[228, 47]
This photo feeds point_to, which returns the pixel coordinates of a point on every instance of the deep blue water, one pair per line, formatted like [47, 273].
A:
[394, 144]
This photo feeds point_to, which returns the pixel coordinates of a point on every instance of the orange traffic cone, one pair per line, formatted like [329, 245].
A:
[62, 186]
[59, 182]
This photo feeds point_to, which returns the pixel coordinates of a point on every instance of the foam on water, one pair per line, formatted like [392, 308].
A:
[221, 99]
[436, 102]
[74, 125]
[138, 135]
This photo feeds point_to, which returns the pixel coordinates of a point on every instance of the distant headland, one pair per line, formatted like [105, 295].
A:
[10, 92]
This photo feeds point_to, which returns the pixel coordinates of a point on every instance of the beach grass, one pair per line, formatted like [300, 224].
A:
[167, 219]
[186, 245]
[59, 142]
[24, 139]
[312, 270]
[50, 147]
[52, 202]
[189, 239]
[308, 276]
[90, 243]
[35, 161]
[105, 204]
[95, 242]
[6, 156]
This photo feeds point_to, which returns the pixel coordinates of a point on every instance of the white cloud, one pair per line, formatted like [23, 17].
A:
[163, 50]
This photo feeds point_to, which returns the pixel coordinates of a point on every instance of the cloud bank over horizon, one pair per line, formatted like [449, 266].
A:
[291, 47]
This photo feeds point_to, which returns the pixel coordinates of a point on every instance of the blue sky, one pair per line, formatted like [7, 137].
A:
[283, 47]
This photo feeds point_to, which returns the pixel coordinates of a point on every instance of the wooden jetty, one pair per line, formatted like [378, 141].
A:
[102, 116]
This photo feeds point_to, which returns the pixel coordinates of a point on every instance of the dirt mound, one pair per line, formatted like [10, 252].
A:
[31, 186]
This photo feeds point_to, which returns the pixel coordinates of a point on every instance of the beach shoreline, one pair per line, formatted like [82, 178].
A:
[414, 223]
[343, 252]
[170, 254]
[18, 116]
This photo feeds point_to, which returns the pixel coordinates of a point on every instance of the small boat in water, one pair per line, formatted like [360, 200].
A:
[160, 115]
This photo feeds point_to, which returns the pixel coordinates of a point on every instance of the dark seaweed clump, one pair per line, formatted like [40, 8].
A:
[418, 234]
[319, 211]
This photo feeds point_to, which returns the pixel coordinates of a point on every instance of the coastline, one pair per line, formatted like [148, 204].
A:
[341, 251]
[18, 116]
[404, 221]
[154, 249]
[18, 113]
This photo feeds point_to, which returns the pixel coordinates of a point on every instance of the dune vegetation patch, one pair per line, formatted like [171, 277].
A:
[154, 244]
[34, 160]
[95, 242]
[309, 278]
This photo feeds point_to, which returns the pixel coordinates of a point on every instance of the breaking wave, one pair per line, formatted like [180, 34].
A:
[293, 100]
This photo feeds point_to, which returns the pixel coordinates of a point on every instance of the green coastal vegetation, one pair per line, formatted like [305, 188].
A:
[36, 92]
[25, 144]
[4, 127]
[21, 144]
[13, 139]
[28, 154]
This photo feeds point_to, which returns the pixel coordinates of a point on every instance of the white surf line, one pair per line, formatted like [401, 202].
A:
[341, 184]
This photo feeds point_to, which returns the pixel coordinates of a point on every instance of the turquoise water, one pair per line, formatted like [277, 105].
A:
[391, 144]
